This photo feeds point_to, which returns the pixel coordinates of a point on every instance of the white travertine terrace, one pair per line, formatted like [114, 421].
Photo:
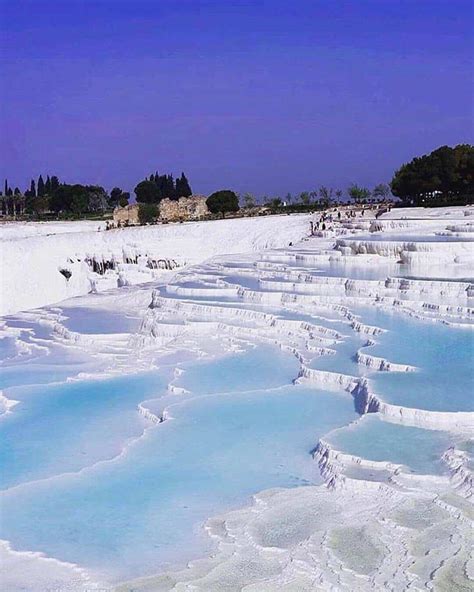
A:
[371, 525]
[317, 555]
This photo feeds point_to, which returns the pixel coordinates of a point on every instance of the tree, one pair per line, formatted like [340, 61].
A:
[41, 188]
[288, 198]
[358, 194]
[179, 188]
[6, 187]
[305, 198]
[32, 188]
[47, 186]
[54, 184]
[148, 192]
[248, 200]
[147, 213]
[464, 158]
[118, 198]
[325, 196]
[223, 201]
[186, 187]
[444, 176]
[157, 187]
[183, 189]
[114, 198]
[338, 194]
[123, 200]
[96, 198]
[381, 191]
[274, 203]
[39, 205]
[70, 198]
[79, 199]
[169, 189]
[61, 199]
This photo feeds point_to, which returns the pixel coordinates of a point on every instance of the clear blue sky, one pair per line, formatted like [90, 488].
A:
[264, 96]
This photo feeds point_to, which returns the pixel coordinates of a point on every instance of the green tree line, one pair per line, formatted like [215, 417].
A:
[443, 177]
[50, 195]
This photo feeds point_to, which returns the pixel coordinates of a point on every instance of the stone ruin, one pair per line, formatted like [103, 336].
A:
[170, 210]
[183, 209]
[127, 215]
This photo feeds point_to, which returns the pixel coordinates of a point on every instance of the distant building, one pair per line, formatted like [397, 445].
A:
[183, 209]
[126, 215]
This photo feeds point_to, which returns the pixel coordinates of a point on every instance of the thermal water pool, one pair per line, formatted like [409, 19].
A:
[94, 321]
[133, 516]
[442, 355]
[64, 427]
[373, 439]
[143, 511]
[235, 425]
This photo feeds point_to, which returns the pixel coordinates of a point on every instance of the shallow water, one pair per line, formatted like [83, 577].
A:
[67, 427]
[239, 426]
[133, 516]
[95, 321]
[444, 380]
[344, 359]
[264, 367]
[376, 440]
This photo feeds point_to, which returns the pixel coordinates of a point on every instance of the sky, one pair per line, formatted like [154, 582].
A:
[266, 97]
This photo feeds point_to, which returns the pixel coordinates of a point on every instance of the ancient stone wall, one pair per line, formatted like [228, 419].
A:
[127, 214]
[185, 208]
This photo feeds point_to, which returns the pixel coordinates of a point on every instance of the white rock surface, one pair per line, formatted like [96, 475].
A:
[31, 254]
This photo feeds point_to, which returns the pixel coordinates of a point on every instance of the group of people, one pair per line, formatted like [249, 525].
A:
[324, 221]
[110, 225]
[327, 218]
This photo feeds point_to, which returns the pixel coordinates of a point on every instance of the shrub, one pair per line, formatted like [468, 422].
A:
[147, 213]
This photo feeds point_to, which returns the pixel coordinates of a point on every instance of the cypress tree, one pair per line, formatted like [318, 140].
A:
[6, 187]
[161, 186]
[170, 188]
[32, 188]
[47, 186]
[40, 186]
[167, 187]
[54, 183]
[185, 186]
